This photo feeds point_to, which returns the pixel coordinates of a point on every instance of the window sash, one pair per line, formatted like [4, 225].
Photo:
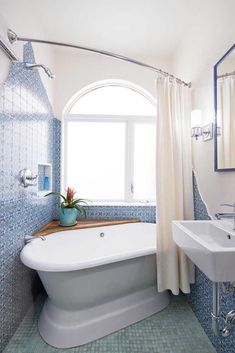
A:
[129, 155]
[99, 117]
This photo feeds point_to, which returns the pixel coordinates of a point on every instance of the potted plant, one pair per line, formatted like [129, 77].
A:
[70, 207]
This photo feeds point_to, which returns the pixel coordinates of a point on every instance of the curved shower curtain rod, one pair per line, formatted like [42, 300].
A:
[13, 37]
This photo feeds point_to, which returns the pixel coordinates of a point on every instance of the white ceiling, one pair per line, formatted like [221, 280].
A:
[130, 26]
[133, 27]
[138, 28]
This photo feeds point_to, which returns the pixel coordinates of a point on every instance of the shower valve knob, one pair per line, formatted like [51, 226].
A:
[27, 178]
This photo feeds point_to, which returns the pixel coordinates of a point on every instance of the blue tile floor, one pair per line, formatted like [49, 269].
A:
[173, 330]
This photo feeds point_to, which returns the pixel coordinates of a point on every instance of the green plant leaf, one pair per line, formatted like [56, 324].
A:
[56, 194]
[81, 210]
[79, 201]
[85, 201]
[62, 206]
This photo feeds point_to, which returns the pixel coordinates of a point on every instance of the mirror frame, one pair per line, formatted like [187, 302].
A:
[216, 169]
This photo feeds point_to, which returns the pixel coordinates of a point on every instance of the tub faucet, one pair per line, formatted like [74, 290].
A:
[29, 238]
[227, 215]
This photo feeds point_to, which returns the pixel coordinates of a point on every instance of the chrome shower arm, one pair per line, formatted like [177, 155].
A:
[36, 66]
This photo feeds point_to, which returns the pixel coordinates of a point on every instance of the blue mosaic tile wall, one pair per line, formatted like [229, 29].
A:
[200, 211]
[144, 213]
[29, 134]
[200, 297]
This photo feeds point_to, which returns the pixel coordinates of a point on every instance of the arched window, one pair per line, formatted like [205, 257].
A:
[109, 143]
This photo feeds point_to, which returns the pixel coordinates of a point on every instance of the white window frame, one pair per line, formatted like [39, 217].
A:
[129, 121]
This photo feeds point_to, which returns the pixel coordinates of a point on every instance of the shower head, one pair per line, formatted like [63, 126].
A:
[12, 36]
[45, 68]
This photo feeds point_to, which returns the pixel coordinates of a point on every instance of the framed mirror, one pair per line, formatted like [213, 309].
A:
[224, 91]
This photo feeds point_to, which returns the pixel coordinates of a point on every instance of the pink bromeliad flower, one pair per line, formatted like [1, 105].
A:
[69, 201]
[70, 194]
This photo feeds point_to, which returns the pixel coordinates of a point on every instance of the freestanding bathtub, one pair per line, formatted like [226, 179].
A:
[98, 280]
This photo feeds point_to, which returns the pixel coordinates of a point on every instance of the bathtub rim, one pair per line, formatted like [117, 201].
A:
[42, 265]
[47, 267]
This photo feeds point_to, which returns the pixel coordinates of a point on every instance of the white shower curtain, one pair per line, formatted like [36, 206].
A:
[226, 121]
[174, 192]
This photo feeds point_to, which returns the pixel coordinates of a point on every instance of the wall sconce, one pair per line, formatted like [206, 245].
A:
[219, 131]
[196, 121]
[208, 132]
[197, 130]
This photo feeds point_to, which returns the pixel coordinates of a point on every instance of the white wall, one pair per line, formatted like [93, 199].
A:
[205, 42]
[228, 65]
[75, 70]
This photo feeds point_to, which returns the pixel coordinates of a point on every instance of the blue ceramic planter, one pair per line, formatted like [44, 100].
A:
[68, 217]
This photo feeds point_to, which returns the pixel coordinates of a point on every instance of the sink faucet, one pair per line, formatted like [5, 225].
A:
[227, 215]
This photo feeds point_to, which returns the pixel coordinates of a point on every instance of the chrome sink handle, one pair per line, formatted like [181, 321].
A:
[231, 205]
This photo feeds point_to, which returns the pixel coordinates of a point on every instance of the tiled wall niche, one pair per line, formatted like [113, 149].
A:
[29, 134]
[200, 297]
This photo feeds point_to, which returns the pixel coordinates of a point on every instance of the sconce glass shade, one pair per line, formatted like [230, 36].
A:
[196, 122]
[196, 118]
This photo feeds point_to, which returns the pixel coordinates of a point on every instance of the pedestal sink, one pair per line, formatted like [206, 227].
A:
[210, 245]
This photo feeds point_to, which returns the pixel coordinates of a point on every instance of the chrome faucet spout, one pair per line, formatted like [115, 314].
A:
[220, 215]
[29, 238]
[227, 215]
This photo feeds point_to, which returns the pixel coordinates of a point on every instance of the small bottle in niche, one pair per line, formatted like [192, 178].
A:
[46, 183]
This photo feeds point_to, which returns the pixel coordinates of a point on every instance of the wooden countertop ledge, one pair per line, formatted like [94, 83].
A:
[54, 227]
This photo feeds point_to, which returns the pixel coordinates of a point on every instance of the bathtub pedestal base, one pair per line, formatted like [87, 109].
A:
[65, 329]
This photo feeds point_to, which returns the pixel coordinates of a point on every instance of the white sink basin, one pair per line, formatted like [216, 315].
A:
[210, 245]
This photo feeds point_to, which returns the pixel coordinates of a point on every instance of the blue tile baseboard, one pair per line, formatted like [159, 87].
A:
[29, 134]
[144, 213]
[200, 298]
